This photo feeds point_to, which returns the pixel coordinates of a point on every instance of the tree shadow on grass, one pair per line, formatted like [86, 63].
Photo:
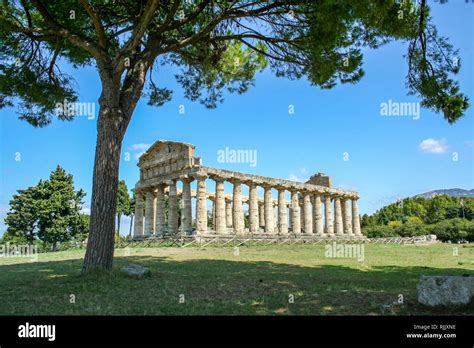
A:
[215, 287]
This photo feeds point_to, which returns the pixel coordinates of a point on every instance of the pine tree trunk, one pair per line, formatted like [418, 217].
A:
[117, 103]
[100, 244]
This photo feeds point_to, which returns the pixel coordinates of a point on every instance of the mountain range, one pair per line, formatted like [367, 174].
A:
[454, 192]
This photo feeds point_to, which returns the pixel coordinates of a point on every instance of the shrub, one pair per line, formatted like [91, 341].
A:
[379, 231]
[415, 220]
[394, 223]
[454, 230]
[410, 229]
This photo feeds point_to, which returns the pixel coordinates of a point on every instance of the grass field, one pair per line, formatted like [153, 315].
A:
[216, 281]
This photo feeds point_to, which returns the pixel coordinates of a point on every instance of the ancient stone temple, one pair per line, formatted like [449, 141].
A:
[314, 210]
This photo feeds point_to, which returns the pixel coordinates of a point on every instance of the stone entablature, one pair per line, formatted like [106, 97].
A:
[167, 162]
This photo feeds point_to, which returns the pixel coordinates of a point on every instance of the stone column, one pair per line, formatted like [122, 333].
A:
[275, 217]
[160, 210]
[228, 213]
[328, 216]
[338, 216]
[154, 212]
[261, 214]
[201, 206]
[149, 213]
[290, 219]
[355, 218]
[269, 211]
[138, 221]
[238, 209]
[318, 216]
[308, 213]
[253, 209]
[213, 212]
[187, 214]
[220, 207]
[282, 223]
[346, 217]
[301, 217]
[295, 212]
[173, 208]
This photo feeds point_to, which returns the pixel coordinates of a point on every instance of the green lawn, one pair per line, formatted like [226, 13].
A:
[260, 280]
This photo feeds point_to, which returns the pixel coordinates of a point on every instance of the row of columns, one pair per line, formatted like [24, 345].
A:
[229, 214]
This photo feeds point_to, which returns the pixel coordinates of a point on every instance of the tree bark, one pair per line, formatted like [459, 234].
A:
[117, 103]
[100, 244]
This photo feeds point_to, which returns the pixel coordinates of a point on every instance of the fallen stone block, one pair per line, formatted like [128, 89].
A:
[445, 290]
[136, 271]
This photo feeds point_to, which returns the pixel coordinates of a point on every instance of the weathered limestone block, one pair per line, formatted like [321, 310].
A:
[445, 290]
[136, 271]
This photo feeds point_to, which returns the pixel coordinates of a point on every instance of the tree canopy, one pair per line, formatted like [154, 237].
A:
[49, 211]
[429, 211]
[217, 45]
[123, 203]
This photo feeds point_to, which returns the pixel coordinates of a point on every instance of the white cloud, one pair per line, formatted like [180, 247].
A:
[301, 175]
[434, 146]
[141, 148]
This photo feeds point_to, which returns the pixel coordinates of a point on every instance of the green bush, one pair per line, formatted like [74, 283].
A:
[454, 230]
[411, 229]
[379, 232]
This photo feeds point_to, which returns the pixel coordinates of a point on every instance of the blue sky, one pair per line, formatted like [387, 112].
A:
[388, 157]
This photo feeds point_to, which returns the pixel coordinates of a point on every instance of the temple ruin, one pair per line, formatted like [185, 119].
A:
[315, 209]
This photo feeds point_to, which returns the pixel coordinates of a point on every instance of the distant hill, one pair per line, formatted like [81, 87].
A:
[455, 192]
